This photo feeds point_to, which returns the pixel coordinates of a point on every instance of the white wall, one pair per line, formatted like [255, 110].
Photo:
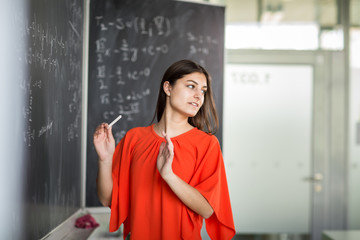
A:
[354, 151]
[354, 133]
[11, 127]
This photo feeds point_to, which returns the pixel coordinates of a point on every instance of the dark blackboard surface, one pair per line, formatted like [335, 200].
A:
[51, 83]
[132, 43]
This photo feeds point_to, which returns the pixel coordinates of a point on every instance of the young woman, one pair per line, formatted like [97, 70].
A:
[162, 180]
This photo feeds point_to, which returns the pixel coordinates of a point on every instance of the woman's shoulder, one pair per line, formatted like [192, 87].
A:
[202, 137]
[138, 131]
[201, 142]
[134, 135]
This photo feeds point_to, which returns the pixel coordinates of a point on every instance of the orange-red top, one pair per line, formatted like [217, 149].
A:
[144, 202]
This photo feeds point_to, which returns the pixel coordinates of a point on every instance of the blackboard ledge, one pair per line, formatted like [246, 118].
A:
[204, 3]
[67, 229]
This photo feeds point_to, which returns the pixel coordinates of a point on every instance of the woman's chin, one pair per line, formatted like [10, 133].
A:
[193, 114]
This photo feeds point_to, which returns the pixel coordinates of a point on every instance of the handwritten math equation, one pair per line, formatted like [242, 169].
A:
[128, 53]
[158, 25]
[55, 64]
[129, 70]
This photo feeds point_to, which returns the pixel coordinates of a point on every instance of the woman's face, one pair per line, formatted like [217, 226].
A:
[186, 96]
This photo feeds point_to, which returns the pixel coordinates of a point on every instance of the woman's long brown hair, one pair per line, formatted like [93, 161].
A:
[206, 119]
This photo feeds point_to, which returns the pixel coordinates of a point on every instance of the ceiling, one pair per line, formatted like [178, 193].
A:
[324, 12]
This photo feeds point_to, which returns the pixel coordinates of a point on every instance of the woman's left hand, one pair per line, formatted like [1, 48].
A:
[165, 157]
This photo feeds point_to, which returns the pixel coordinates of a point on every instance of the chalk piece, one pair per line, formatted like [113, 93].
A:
[113, 122]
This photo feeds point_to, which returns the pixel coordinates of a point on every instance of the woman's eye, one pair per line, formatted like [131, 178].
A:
[203, 92]
[191, 86]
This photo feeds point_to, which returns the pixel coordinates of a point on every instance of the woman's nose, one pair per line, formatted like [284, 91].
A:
[197, 93]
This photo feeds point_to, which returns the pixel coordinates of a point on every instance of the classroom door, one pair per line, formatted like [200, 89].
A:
[267, 143]
[273, 144]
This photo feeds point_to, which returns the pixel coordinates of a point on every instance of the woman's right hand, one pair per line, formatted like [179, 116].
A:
[104, 143]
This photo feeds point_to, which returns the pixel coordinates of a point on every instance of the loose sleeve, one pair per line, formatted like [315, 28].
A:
[120, 193]
[210, 180]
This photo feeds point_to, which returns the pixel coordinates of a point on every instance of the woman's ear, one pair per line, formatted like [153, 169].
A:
[167, 88]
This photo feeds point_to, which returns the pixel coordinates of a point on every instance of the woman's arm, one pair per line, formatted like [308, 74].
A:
[105, 146]
[189, 195]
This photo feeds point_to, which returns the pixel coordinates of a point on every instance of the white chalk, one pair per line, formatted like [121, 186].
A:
[113, 122]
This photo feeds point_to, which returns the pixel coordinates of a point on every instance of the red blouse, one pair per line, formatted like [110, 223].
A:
[144, 202]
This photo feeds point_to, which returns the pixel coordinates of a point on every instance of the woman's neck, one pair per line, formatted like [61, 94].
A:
[172, 125]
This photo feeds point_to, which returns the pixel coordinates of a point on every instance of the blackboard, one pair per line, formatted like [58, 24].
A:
[131, 45]
[49, 75]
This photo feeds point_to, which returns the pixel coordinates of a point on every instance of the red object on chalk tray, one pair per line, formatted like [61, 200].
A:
[86, 221]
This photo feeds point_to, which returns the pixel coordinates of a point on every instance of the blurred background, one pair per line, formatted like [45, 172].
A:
[291, 119]
[292, 116]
